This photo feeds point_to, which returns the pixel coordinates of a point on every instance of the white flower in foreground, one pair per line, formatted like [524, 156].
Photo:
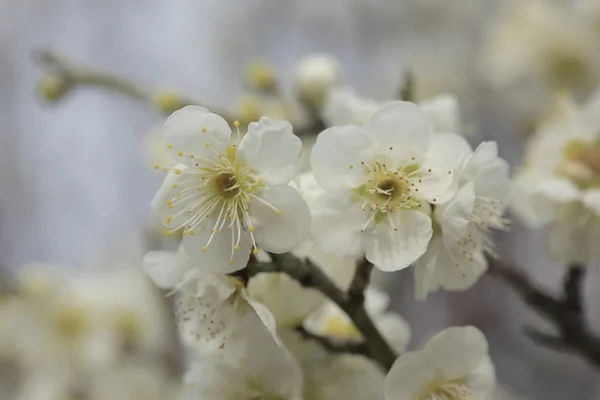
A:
[345, 107]
[332, 322]
[376, 179]
[259, 369]
[453, 365]
[455, 258]
[560, 182]
[231, 197]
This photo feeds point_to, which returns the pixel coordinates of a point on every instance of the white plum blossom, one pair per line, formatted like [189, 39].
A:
[377, 178]
[455, 258]
[230, 197]
[560, 181]
[212, 307]
[331, 321]
[314, 77]
[453, 365]
[346, 107]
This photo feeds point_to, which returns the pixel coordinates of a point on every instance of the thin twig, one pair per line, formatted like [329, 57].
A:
[309, 275]
[335, 346]
[360, 281]
[564, 312]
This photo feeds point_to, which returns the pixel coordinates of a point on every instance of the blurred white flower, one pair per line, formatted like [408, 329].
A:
[455, 258]
[560, 181]
[231, 197]
[376, 179]
[454, 364]
[261, 368]
[347, 377]
[332, 322]
[537, 42]
[345, 107]
[314, 77]
[212, 306]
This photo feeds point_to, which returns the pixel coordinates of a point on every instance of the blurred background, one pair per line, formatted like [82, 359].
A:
[76, 174]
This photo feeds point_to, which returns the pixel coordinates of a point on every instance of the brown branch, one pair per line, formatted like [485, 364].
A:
[333, 345]
[565, 312]
[309, 275]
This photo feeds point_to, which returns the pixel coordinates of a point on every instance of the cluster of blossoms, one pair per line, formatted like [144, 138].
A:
[559, 184]
[398, 188]
[70, 335]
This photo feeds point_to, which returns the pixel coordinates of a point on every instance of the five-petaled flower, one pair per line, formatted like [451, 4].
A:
[378, 180]
[229, 195]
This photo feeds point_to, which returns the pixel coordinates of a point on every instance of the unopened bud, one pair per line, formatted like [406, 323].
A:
[314, 77]
[168, 102]
[53, 87]
[260, 75]
[249, 108]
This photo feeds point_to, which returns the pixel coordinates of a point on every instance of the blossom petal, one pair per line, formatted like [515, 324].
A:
[395, 330]
[272, 149]
[409, 374]
[287, 225]
[173, 215]
[391, 250]
[166, 269]
[217, 256]
[345, 107]
[458, 351]
[403, 126]
[424, 269]
[441, 167]
[196, 131]
[591, 199]
[443, 112]
[454, 217]
[337, 155]
[336, 225]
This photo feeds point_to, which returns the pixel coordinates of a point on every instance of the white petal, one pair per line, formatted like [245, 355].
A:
[376, 301]
[190, 129]
[345, 107]
[441, 167]
[172, 216]
[454, 217]
[458, 351]
[591, 199]
[212, 379]
[424, 269]
[336, 225]
[409, 374]
[391, 250]
[218, 253]
[457, 270]
[403, 126]
[166, 269]
[395, 330]
[272, 149]
[443, 112]
[280, 231]
[336, 157]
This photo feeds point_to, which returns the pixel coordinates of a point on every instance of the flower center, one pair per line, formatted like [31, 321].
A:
[453, 389]
[226, 183]
[581, 163]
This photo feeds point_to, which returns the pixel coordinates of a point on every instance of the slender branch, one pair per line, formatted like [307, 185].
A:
[360, 281]
[309, 275]
[335, 346]
[565, 312]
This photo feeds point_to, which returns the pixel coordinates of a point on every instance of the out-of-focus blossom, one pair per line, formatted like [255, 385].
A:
[314, 77]
[454, 364]
[455, 257]
[560, 181]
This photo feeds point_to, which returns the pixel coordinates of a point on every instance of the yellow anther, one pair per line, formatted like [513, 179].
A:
[170, 233]
[174, 186]
[236, 124]
[204, 129]
[251, 169]
[251, 228]
[170, 145]
[180, 153]
[185, 233]
[351, 166]
[192, 233]
[255, 251]
[236, 247]
[278, 212]
[230, 262]
[169, 202]
[165, 169]
[169, 219]
[207, 144]
[156, 166]
[204, 248]
[260, 181]
[177, 171]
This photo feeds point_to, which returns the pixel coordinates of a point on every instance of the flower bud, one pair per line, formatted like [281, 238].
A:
[314, 77]
[261, 76]
[53, 87]
[168, 102]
